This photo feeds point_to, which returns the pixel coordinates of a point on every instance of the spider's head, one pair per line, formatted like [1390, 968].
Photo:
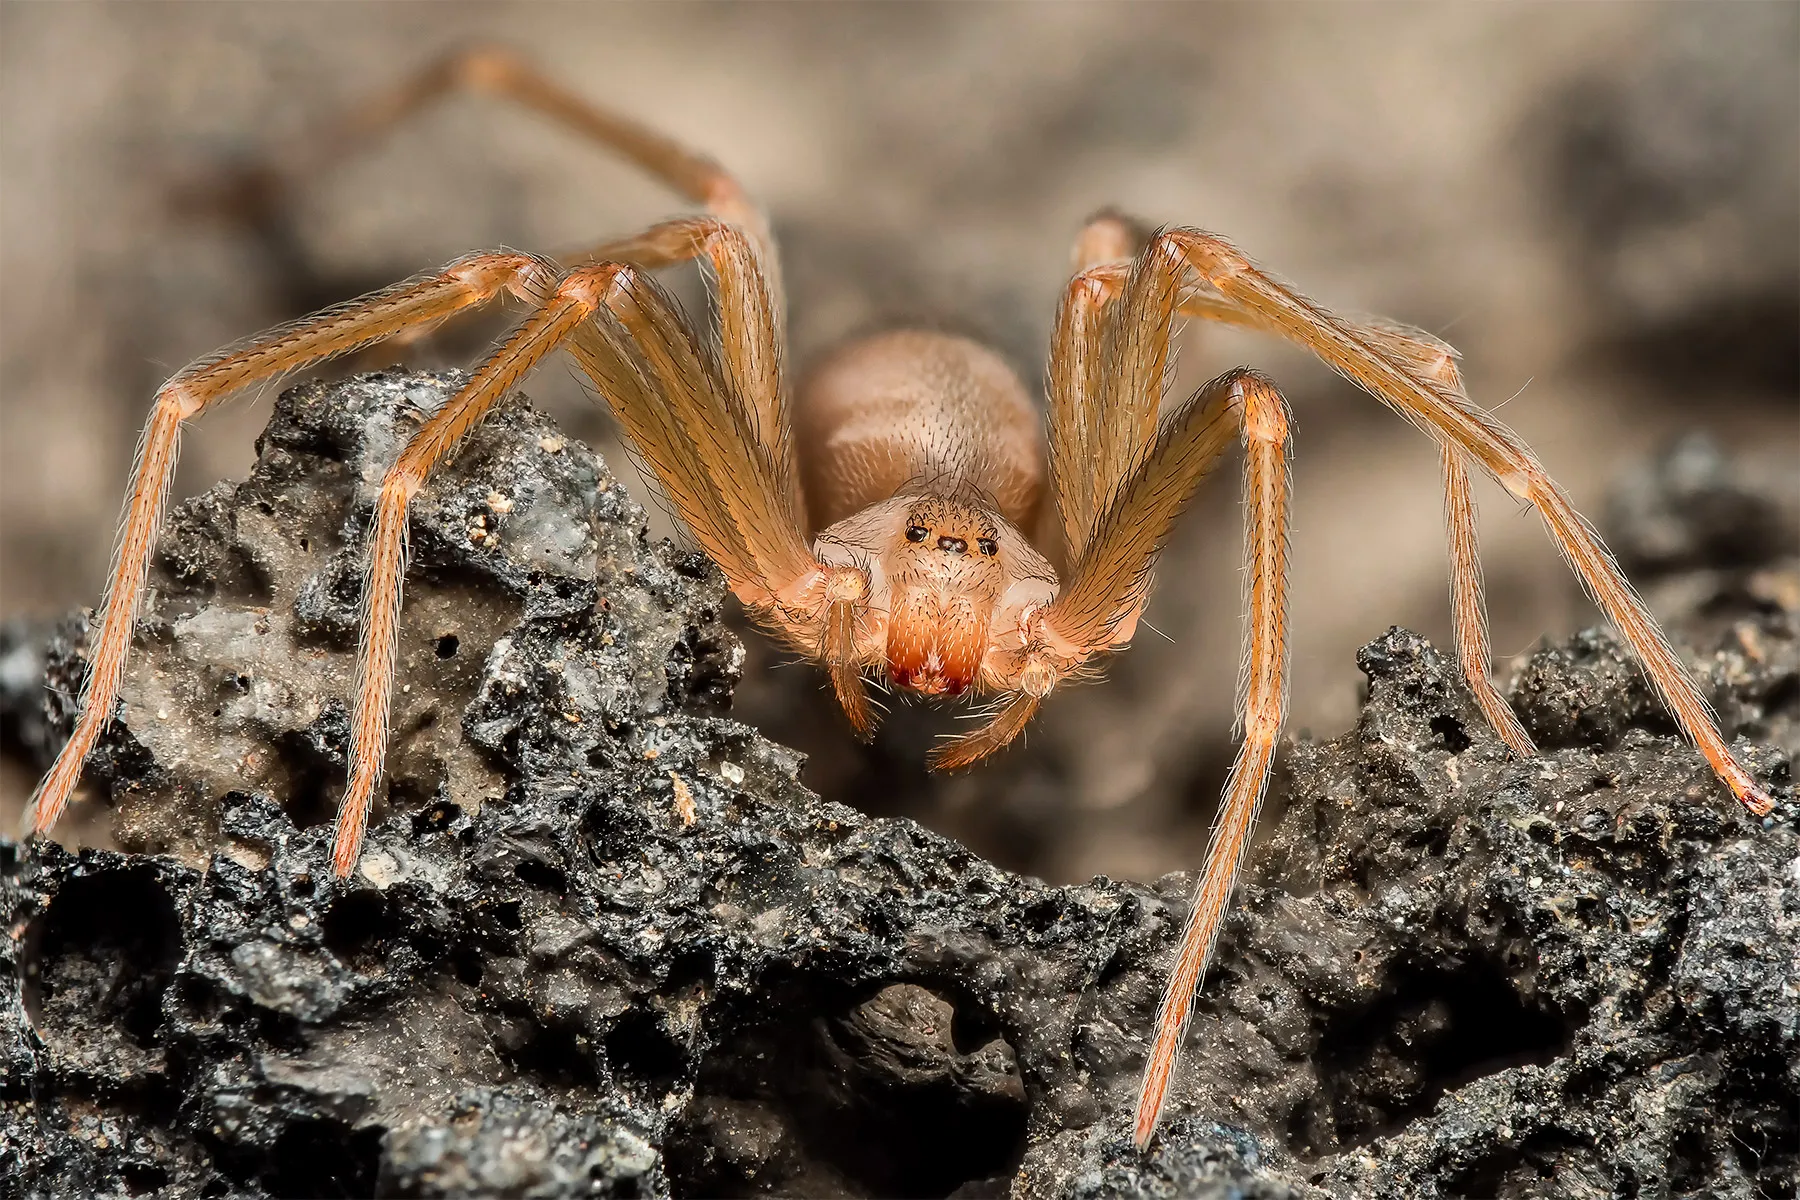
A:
[948, 579]
[944, 572]
[948, 582]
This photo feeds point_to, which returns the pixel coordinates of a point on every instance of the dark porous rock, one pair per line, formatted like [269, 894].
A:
[501, 1143]
[602, 941]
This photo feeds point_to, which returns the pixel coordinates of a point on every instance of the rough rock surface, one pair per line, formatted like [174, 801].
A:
[603, 942]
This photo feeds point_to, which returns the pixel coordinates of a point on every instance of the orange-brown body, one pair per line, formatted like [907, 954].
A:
[923, 461]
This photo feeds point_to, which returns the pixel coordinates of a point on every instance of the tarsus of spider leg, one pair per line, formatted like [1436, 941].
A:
[1264, 703]
[1472, 646]
[373, 318]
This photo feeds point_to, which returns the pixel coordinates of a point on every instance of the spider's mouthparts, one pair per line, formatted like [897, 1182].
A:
[934, 643]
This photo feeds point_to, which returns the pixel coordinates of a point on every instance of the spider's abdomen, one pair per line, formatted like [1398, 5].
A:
[916, 410]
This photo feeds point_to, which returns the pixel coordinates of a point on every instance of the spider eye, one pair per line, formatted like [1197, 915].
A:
[916, 533]
[988, 546]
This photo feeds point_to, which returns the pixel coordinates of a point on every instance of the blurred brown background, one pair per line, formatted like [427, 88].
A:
[1599, 204]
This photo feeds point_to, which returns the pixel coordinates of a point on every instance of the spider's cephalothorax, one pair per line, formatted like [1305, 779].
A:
[917, 462]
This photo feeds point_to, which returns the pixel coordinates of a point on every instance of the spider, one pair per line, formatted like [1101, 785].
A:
[888, 516]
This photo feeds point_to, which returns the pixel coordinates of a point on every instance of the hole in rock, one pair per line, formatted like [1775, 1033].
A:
[143, 1178]
[466, 962]
[102, 954]
[358, 926]
[558, 1057]
[1450, 731]
[536, 873]
[638, 1047]
[323, 1159]
[315, 780]
[1440, 1028]
[613, 833]
[435, 817]
[792, 1095]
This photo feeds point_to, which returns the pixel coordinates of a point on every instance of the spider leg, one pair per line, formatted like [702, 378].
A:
[965, 751]
[1433, 363]
[1107, 584]
[1262, 699]
[470, 281]
[495, 70]
[1118, 480]
[1109, 236]
[749, 316]
[1452, 419]
[682, 416]
[720, 446]
[575, 298]
[1081, 479]
[1470, 611]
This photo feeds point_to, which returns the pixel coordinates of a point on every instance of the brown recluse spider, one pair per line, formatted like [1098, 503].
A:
[885, 516]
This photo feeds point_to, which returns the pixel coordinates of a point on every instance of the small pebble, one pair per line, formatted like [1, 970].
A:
[684, 799]
[427, 399]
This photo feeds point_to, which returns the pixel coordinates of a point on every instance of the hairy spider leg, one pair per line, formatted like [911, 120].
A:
[1082, 479]
[1469, 608]
[1451, 418]
[731, 476]
[1079, 479]
[575, 298]
[1416, 375]
[749, 316]
[1109, 236]
[466, 283]
[1244, 295]
[495, 70]
[746, 270]
[684, 418]
[1433, 363]
[1262, 414]
[1104, 390]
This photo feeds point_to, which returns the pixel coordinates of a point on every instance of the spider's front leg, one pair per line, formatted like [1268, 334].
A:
[1106, 588]
[575, 299]
[695, 423]
[1262, 415]
[417, 303]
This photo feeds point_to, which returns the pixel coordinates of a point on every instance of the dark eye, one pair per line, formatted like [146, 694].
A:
[987, 546]
[916, 533]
